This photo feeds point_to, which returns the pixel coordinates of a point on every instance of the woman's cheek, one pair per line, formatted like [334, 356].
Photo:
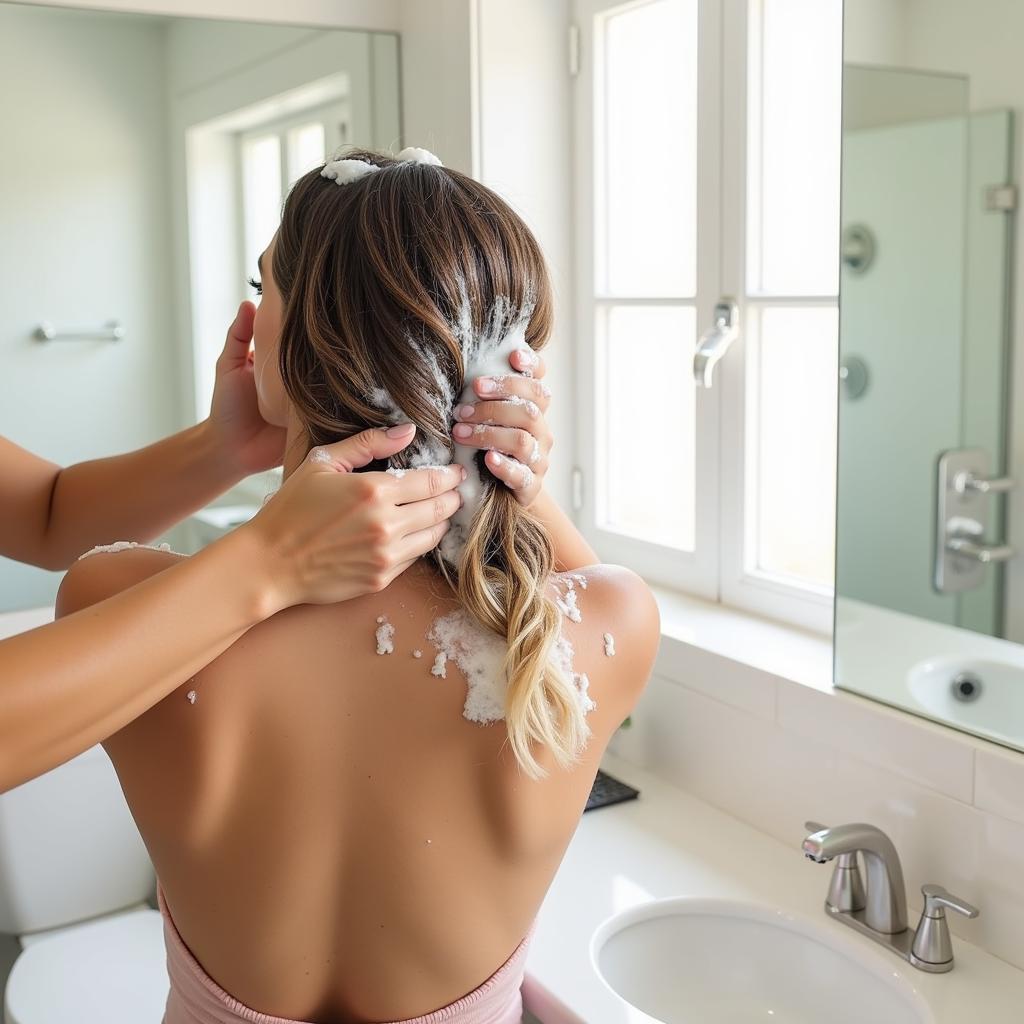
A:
[270, 394]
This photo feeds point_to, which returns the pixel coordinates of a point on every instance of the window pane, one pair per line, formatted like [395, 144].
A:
[648, 449]
[796, 442]
[794, 145]
[306, 150]
[647, 145]
[261, 186]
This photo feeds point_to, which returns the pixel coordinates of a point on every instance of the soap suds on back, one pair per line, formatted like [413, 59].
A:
[480, 655]
[609, 645]
[385, 636]
[583, 688]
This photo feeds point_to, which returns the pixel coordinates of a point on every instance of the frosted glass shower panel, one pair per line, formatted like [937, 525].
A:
[902, 318]
[648, 216]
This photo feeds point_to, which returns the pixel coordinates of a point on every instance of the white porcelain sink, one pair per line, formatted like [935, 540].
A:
[996, 691]
[709, 961]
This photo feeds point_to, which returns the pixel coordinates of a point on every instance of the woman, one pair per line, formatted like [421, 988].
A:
[343, 826]
[70, 684]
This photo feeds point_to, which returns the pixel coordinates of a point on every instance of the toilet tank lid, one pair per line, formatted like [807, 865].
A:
[91, 963]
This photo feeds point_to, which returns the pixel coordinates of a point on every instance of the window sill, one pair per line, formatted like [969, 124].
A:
[786, 652]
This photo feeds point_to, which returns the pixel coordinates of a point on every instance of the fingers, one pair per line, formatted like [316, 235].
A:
[520, 444]
[362, 448]
[399, 569]
[239, 338]
[515, 388]
[421, 542]
[428, 512]
[510, 471]
[526, 361]
[415, 485]
[522, 413]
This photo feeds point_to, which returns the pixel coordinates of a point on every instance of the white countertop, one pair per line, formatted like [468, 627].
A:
[669, 844]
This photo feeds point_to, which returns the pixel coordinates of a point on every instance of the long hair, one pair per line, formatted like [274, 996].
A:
[382, 279]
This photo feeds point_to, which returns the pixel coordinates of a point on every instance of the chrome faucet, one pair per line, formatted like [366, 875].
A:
[885, 909]
[878, 908]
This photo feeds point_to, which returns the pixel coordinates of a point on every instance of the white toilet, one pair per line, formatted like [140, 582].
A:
[74, 880]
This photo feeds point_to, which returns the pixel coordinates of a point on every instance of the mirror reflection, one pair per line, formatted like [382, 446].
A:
[150, 165]
[929, 611]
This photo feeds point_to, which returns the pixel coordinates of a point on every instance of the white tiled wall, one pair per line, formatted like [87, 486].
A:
[775, 753]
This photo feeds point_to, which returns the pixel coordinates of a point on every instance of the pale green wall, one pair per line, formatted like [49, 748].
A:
[83, 238]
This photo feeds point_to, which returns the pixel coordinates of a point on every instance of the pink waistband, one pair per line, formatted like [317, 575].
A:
[195, 998]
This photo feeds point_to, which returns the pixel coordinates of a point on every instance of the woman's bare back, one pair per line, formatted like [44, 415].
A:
[335, 840]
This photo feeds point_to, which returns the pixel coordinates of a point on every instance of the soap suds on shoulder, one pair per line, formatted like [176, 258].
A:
[568, 605]
[562, 657]
[128, 545]
[385, 636]
[609, 645]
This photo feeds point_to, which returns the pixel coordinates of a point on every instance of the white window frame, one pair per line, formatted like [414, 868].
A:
[695, 572]
[720, 569]
[331, 115]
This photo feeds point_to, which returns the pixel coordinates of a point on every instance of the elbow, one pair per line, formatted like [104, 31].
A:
[56, 561]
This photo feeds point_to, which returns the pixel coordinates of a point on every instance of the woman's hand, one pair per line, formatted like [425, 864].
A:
[242, 437]
[330, 534]
[509, 420]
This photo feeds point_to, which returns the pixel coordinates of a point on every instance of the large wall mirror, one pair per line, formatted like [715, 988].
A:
[143, 172]
[929, 603]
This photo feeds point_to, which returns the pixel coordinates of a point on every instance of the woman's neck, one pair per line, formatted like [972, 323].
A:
[296, 444]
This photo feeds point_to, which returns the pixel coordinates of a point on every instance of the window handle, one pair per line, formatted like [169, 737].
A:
[715, 341]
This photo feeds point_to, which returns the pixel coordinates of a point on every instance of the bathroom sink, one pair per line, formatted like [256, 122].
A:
[710, 961]
[977, 692]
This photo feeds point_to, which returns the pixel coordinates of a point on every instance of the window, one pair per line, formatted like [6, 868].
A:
[272, 158]
[712, 130]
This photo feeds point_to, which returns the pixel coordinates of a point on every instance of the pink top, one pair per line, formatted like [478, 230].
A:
[195, 998]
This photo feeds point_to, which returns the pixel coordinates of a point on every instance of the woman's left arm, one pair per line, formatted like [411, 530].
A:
[509, 421]
[139, 495]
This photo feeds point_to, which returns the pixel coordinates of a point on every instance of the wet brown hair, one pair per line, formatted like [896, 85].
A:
[374, 276]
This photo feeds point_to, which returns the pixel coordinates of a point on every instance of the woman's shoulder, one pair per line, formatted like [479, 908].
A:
[110, 568]
[613, 624]
[611, 593]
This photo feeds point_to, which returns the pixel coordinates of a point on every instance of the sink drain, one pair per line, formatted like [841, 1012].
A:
[966, 687]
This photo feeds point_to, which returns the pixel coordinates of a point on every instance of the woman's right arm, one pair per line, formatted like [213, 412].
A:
[326, 536]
